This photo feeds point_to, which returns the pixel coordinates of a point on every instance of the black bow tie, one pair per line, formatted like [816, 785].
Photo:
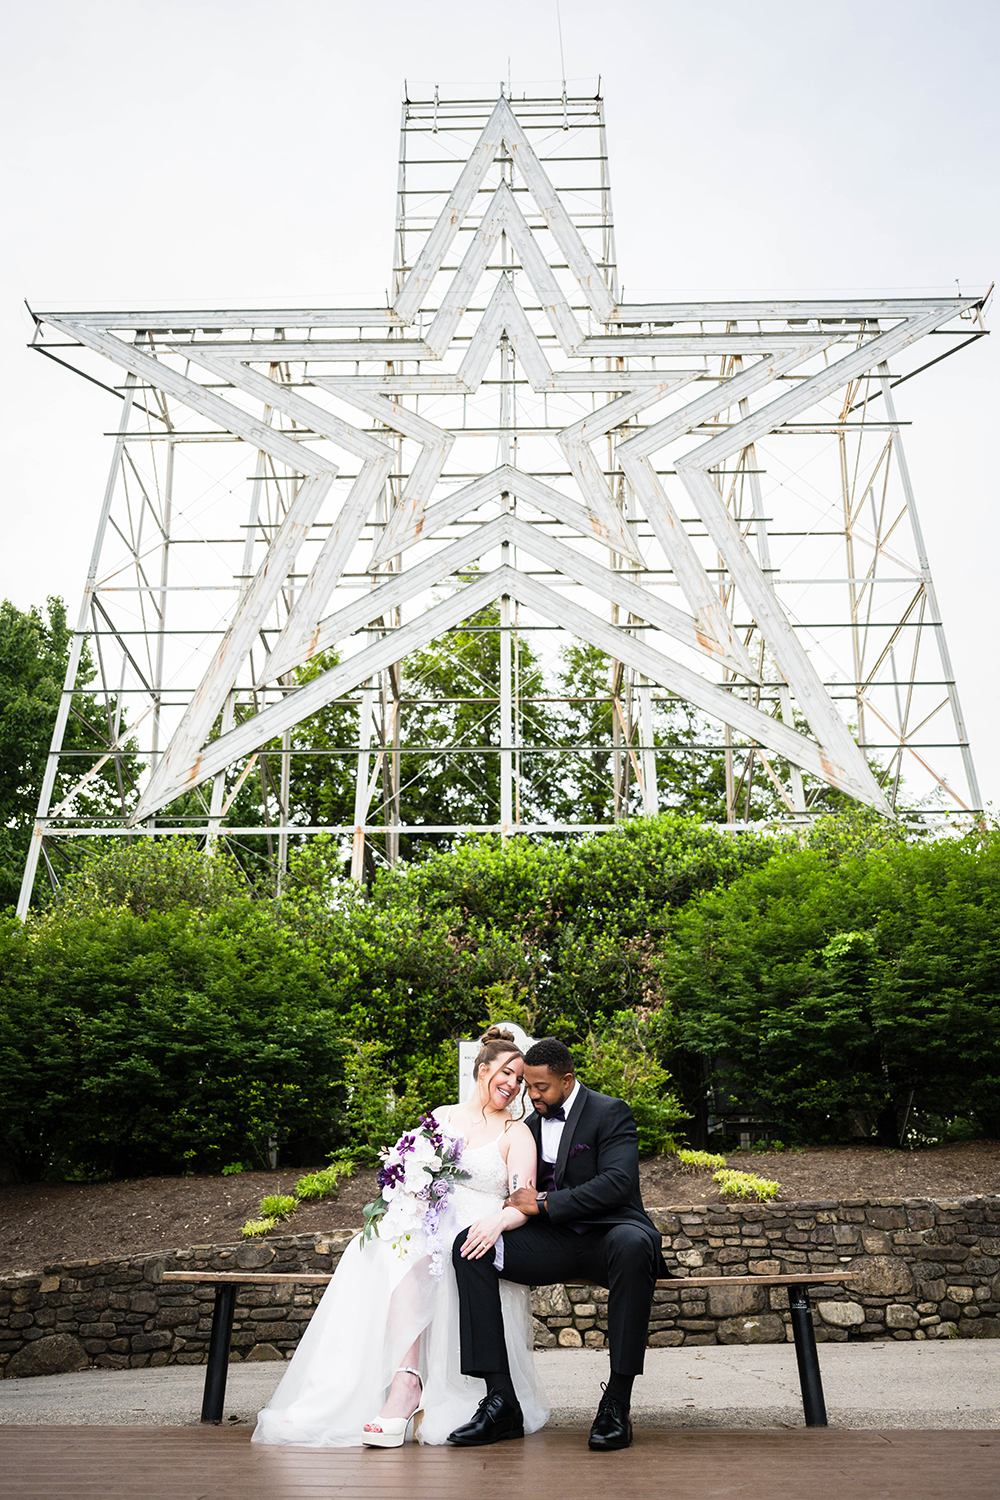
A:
[556, 1114]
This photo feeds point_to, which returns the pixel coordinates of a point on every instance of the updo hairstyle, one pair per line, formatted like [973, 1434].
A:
[494, 1043]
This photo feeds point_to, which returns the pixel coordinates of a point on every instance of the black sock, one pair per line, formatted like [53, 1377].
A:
[620, 1386]
[499, 1383]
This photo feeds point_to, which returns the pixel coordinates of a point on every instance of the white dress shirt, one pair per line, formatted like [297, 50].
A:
[552, 1129]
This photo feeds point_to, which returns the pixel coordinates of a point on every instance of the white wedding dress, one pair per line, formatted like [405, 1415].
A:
[381, 1299]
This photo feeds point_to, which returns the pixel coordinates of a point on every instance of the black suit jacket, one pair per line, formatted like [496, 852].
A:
[597, 1169]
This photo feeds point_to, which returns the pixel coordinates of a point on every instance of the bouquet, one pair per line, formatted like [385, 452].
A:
[415, 1178]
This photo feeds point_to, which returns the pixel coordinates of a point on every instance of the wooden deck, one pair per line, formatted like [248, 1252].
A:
[206, 1463]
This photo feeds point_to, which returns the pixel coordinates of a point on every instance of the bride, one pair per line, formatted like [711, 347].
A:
[384, 1338]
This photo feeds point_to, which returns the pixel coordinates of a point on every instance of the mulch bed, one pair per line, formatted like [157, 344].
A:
[44, 1222]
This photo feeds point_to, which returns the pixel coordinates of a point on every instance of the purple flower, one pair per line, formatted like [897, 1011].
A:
[440, 1189]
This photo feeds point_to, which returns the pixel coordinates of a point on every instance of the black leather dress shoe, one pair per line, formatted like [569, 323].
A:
[612, 1427]
[496, 1418]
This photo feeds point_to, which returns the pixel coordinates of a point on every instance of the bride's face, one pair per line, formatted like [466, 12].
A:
[500, 1081]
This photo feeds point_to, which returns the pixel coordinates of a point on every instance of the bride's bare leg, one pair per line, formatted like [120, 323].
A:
[404, 1393]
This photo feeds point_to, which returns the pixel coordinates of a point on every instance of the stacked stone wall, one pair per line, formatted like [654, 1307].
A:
[923, 1269]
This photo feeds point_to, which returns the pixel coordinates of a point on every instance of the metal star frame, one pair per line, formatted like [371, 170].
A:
[681, 486]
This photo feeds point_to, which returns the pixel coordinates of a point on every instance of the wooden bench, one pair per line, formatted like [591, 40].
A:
[798, 1283]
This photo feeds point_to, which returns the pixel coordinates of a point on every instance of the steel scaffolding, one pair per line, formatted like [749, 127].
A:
[307, 507]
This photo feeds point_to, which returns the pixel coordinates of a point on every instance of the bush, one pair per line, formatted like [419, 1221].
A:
[839, 991]
[620, 1062]
[745, 1185]
[278, 1206]
[323, 1184]
[701, 1161]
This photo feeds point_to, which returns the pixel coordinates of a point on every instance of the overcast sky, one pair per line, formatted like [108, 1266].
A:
[234, 152]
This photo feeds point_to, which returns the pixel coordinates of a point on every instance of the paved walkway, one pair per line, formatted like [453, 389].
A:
[951, 1384]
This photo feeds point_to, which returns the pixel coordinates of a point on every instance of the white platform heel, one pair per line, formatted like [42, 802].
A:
[390, 1432]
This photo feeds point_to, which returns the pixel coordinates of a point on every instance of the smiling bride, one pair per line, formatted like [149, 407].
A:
[383, 1345]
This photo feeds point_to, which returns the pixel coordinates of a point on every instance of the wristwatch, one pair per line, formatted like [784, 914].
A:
[540, 1200]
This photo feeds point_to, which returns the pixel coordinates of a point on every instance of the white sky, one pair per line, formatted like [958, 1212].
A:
[240, 153]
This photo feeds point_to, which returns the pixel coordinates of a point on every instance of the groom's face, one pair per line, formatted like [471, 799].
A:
[547, 1090]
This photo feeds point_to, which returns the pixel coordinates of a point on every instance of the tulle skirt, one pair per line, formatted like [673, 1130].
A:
[378, 1304]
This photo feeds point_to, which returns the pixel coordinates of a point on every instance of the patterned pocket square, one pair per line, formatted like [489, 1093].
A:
[575, 1150]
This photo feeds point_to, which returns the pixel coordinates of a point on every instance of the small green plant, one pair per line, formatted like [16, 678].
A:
[233, 1168]
[253, 1227]
[701, 1161]
[745, 1185]
[324, 1183]
[278, 1206]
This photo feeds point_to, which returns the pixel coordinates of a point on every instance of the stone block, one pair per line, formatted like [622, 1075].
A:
[570, 1339]
[841, 1314]
[900, 1315]
[886, 1218]
[727, 1302]
[961, 1293]
[670, 1338]
[881, 1275]
[765, 1328]
[56, 1354]
[593, 1339]
[544, 1337]
[550, 1302]
[253, 1257]
[844, 1234]
[48, 1284]
[262, 1352]
[876, 1242]
[979, 1328]
[143, 1342]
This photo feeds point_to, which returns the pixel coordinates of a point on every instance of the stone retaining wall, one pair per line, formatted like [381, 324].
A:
[924, 1269]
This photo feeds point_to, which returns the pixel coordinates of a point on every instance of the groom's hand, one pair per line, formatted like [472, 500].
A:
[523, 1199]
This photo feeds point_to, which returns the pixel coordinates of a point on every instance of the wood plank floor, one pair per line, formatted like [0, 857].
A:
[209, 1463]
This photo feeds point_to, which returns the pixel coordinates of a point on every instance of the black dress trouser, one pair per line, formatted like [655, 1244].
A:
[621, 1257]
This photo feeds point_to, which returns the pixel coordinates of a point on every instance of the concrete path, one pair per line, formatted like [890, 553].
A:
[951, 1384]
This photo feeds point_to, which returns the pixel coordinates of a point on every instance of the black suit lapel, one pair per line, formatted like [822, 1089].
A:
[569, 1132]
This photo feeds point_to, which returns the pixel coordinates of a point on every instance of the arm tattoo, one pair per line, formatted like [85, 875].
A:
[513, 1183]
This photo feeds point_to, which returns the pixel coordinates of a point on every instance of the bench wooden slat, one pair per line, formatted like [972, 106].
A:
[241, 1276]
[795, 1278]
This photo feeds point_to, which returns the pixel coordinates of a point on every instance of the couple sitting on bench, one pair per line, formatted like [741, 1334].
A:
[449, 1267]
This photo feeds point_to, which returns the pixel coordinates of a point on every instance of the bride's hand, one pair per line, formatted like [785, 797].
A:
[482, 1236]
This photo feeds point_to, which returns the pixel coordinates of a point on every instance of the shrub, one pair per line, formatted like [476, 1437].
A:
[621, 1062]
[255, 1227]
[278, 1206]
[700, 1161]
[316, 1185]
[745, 1185]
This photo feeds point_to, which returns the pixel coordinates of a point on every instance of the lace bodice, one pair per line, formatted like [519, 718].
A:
[486, 1168]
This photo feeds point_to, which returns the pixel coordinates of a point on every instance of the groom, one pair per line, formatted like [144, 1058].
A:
[586, 1222]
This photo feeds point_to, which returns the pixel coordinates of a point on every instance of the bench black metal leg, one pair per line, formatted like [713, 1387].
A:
[808, 1360]
[218, 1353]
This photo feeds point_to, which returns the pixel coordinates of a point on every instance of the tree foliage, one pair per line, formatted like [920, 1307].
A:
[34, 649]
[851, 985]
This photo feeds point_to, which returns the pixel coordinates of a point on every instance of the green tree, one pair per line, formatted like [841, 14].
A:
[34, 648]
[847, 984]
[452, 701]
